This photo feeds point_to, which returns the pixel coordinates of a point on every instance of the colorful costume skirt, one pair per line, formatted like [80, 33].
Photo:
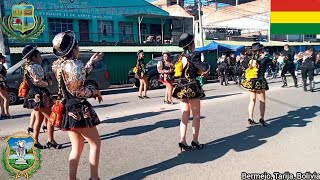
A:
[188, 90]
[166, 78]
[256, 84]
[79, 114]
[38, 98]
[4, 85]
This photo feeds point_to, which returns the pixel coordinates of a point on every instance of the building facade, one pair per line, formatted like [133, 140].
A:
[98, 21]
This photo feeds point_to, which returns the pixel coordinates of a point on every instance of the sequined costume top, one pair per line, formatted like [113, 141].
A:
[36, 76]
[263, 62]
[309, 58]
[194, 68]
[141, 69]
[74, 74]
[164, 67]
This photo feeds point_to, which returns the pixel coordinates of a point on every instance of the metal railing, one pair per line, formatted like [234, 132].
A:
[86, 38]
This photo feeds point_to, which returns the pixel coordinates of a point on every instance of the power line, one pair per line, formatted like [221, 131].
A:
[243, 14]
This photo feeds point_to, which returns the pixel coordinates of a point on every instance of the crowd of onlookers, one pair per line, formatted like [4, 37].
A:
[233, 67]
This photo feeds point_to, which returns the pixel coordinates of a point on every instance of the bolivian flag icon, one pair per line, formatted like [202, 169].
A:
[295, 17]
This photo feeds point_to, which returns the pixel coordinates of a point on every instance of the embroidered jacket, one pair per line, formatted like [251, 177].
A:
[74, 74]
[37, 75]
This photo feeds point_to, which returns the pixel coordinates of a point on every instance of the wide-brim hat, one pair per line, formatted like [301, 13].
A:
[28, 50]
[185, 40]
[256, 46]
[63, 43]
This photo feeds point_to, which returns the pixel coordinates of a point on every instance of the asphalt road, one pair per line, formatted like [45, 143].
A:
[140, 137]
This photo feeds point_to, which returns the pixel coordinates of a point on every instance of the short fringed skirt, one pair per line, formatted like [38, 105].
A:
[188, 90]
[256, 84]
[79, 114]
[166, 78]
[38, 98]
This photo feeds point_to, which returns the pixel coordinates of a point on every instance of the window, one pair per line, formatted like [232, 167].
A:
[311, 36]
[106, 28]
[18, 71]
[126, 32]
[59, 25]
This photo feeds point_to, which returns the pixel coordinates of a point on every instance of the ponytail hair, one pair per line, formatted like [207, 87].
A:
[59, 77]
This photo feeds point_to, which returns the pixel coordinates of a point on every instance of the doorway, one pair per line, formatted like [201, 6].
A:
[84, 30]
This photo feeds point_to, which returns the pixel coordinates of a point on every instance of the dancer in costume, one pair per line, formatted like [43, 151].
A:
[165, 69]
[38, 98]
[140, 73]
[79, 118]
[288, 66]
[307, 68]
[188, 90]
[4, 97]
[256, 83]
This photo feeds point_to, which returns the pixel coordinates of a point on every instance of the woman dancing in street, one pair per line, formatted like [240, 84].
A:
[189, 90]
[4, 97]
[38, 98]
[165, 69]
[256, 83]
[79, 119]
[141, 75]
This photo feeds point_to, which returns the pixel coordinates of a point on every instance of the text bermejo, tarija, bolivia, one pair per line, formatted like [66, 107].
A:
[280, 176]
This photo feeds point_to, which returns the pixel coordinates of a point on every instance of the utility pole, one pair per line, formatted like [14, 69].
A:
[200, 23]
[4, 44]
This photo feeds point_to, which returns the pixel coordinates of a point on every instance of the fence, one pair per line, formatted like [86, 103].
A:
[92, 39]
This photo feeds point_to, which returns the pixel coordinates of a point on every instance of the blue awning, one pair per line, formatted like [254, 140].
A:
[220, 47]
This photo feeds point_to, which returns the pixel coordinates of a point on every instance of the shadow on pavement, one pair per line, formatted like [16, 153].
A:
[142, 129]
[108, 105]
[136, 116]
[17, 116]
[220, 96]
[246, 140]
[273, 82]
[119, 91]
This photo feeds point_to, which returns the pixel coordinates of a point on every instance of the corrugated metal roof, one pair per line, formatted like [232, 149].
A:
[106, 49]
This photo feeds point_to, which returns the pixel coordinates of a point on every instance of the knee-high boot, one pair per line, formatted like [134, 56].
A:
[312, 86]
[304, 84]
[295, 80]
[284, 80]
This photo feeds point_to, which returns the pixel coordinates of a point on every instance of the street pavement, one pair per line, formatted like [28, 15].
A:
[140, 137]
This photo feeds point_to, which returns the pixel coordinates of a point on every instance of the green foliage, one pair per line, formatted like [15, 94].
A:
[6, 27]
[30, 162]
[21, 167]
[5, 165]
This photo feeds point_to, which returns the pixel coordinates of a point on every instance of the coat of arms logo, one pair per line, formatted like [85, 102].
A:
[20, 158]
[22, 24]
